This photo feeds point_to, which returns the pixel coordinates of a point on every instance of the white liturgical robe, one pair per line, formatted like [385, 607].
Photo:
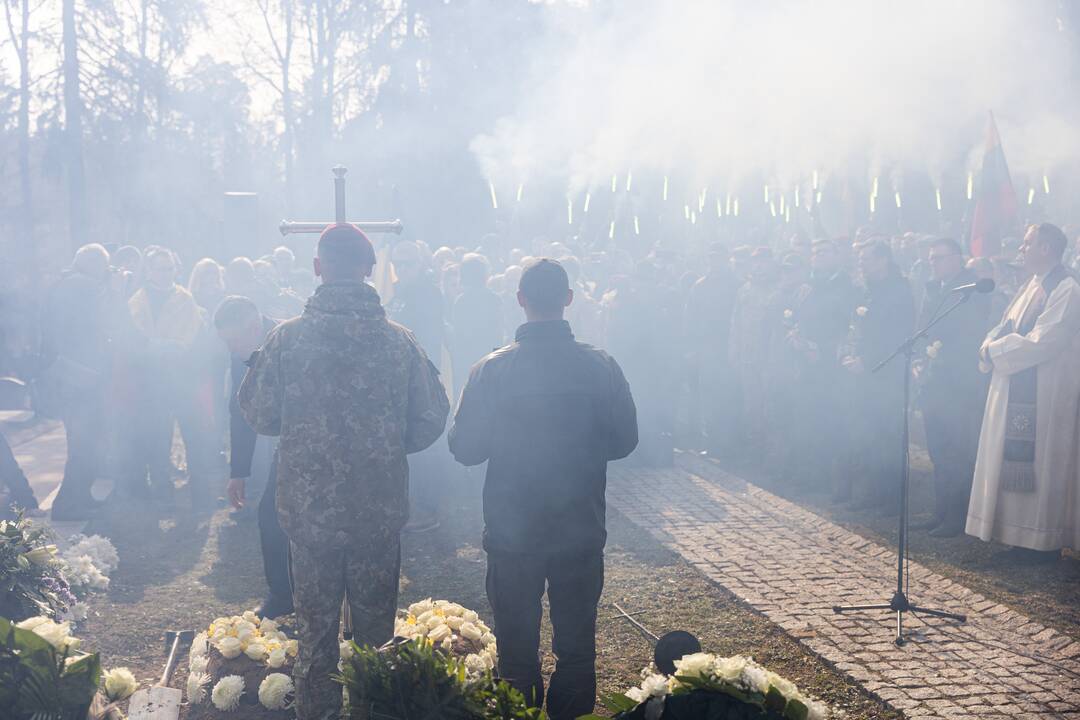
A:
[1047, 517]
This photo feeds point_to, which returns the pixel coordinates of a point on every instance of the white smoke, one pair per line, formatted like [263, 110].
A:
[717, 89]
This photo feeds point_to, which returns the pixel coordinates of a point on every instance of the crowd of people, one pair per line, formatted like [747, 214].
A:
[778, 359]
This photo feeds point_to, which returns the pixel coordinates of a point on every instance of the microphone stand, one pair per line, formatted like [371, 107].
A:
[899, 602]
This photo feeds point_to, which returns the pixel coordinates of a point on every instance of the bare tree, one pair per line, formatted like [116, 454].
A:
[20, 40]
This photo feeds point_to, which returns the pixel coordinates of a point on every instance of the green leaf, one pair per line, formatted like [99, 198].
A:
[796, 710]
[775, 700]
[617, 702]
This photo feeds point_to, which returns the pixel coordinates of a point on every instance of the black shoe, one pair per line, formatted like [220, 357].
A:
[273, 607]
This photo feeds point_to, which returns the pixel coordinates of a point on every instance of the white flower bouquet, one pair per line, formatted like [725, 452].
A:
[453, 629]
[260, 648]
[738, 678]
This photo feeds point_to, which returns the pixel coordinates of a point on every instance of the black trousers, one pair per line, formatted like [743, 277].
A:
[84, 425]
[274, 542]
[12, 477]
[515, 589]
[952, 439]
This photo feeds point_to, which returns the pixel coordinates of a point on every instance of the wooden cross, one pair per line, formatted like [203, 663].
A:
[315, 228]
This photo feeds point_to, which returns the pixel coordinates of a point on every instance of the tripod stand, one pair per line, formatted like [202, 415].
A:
[899, 602]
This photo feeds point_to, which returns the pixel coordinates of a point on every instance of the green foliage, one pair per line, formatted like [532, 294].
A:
[413, 681]
[31, 582]
[38, 682]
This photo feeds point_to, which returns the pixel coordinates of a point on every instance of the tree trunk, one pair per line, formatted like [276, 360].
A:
[25, 180]
[76, 182]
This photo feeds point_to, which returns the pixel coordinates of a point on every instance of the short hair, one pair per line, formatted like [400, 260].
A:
[877, 248]
[474, 270]
[946, 242]
[1054, 237]
[159, 250]
[282, 251]
[90, 255]
[344, 249]
[545, 283]
[234, 311]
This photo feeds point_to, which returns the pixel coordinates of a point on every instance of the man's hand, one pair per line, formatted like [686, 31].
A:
[235, 492]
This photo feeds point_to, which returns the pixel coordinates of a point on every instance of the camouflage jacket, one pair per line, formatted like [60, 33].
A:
[350, 393]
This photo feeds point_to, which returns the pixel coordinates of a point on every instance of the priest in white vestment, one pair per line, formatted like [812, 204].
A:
[1026, 491]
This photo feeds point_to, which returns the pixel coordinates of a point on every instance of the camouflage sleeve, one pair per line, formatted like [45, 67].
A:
[623, 432]
[428, 404]
[261, 393]
[472, 428]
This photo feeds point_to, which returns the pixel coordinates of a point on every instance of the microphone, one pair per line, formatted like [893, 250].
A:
[984, 285]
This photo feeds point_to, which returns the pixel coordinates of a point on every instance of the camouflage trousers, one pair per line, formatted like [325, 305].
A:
[368, 570]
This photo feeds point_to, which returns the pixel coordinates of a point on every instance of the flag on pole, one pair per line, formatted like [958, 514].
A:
[996, 214]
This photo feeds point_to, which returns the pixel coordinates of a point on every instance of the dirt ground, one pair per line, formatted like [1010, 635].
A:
[182, 571]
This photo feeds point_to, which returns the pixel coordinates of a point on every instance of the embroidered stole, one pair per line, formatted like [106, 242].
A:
[1018, 463]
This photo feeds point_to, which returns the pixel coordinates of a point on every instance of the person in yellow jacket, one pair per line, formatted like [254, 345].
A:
[167, 321]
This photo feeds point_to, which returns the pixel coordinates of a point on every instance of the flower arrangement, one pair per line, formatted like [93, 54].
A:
[258, 646]
[933, 349]
[43, 673]
[32, 579]
[416, 679]
[728, 686]
[453, 629]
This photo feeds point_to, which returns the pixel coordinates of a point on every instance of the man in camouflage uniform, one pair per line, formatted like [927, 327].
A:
[349, 393]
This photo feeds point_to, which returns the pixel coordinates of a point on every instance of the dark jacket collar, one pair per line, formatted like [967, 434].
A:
[545, 331]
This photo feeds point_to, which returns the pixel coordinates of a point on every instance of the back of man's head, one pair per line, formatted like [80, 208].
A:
[235, 312]
[544, 287]
[344, 254]
[91, 260]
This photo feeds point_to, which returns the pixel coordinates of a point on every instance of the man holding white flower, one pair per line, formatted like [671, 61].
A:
[547, 413]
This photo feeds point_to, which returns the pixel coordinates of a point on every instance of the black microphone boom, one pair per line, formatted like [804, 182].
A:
[984, 285]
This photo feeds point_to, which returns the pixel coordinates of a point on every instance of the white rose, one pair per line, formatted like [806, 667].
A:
[454, 622]
[637, 695]
[119, 684]
[487, 638]
[198, 663]
[227, 692]
[57, 634]
[345, 650]
[655, 685]
[256, 651]
[475, 665]
[422, 618]
[274, 691]
[267, 626]
[291, 647]
[448, 643]
[756, 678]
[439, 632]
[229, 647]
[250, 616]
[31, 623]
[695, 665]
[862, 310]
[196, 687]
[730, 669]
[419, 608]
[276, 658]
[470, 631]
[470, 616]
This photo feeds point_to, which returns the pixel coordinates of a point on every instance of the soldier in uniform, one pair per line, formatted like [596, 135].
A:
[547, 413]
[350, 394]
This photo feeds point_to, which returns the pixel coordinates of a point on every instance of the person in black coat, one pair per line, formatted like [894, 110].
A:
[883, 321]
[243, 329]
[821, 323]
[952, 390]
[547, 414]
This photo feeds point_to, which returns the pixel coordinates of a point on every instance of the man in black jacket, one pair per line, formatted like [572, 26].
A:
[547, 413]
[953, 391]
[243, 329]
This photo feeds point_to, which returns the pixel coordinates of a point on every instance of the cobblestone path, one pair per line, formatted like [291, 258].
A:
[794, 566]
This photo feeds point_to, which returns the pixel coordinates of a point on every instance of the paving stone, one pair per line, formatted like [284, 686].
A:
[794, 566]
